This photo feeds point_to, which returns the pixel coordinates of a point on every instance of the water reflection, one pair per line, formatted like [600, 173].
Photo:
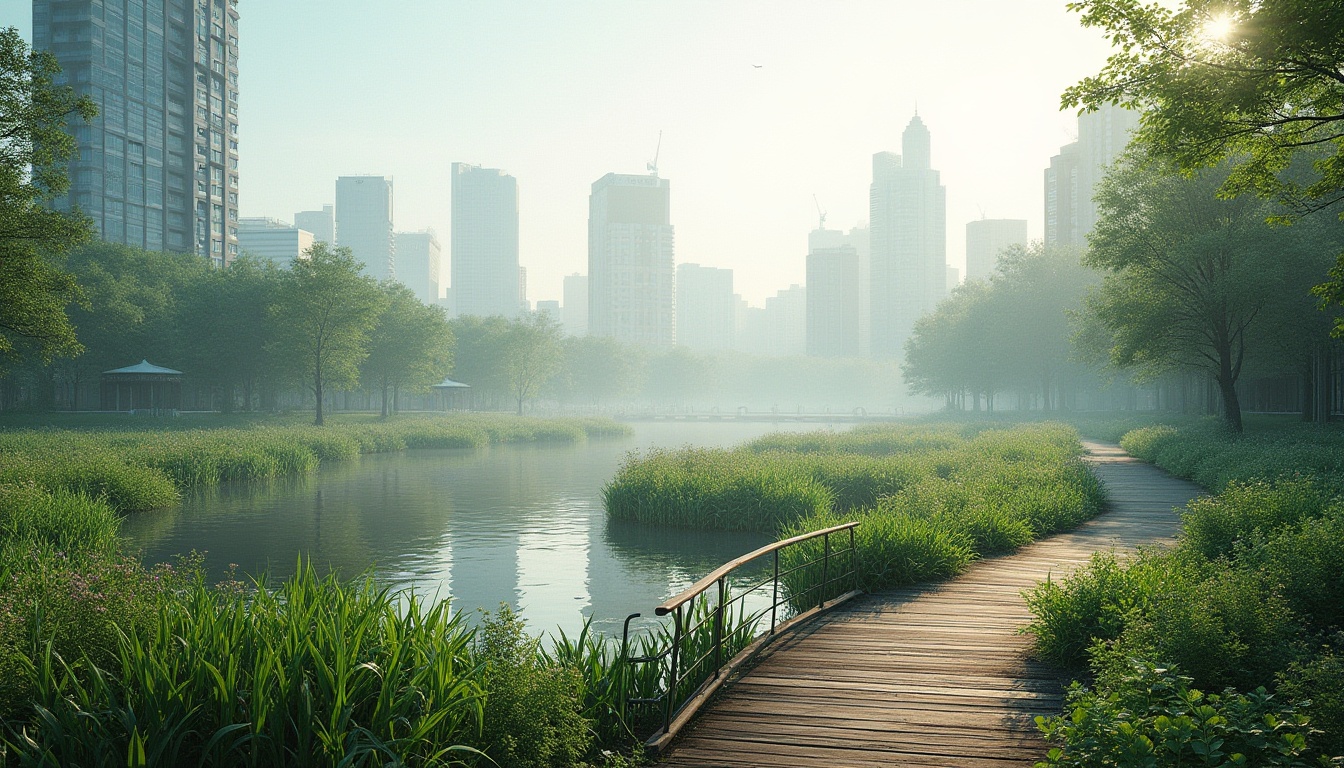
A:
[521, 525]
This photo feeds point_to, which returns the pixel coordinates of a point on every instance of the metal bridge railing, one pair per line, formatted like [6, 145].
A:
[712, 627]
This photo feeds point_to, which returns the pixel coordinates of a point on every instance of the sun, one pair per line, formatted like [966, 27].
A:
[1218, 29]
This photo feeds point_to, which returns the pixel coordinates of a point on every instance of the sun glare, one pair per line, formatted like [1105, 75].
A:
[1218, 29]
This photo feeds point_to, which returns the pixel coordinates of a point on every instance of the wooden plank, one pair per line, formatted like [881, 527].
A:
[936, 675]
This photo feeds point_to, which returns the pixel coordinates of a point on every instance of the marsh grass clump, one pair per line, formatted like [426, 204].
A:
[931, 498]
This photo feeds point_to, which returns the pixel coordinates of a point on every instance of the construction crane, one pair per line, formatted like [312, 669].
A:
[821, 215]
[653, 164]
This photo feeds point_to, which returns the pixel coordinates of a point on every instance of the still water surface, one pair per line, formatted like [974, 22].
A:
[521, 524]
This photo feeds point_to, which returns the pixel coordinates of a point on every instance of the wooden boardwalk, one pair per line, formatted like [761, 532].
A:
[937, 676]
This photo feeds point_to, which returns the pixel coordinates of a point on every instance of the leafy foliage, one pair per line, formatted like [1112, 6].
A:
[324, 314]
[1153, 718]
[34, 236]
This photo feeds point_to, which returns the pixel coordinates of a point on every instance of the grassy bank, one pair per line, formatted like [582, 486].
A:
[106, 661]
[932, 498]
[136, 468]
[1250, 601]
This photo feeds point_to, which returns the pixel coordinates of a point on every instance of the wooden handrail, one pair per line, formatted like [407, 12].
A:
[673, 603]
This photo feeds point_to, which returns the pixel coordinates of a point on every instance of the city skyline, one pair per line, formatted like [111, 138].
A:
[540, 104]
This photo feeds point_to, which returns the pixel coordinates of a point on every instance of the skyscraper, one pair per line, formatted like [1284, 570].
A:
[630, 264]
[364, 223]
[908, 247]
[704, 307]
[158, 167]
[1064, 197]
[834, 306]
[486, 279]
[1073, 175]
[986, 239]
[321, 223]
[418, 258]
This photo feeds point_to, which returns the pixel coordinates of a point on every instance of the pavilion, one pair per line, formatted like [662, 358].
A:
[447, 386]
[143, 386]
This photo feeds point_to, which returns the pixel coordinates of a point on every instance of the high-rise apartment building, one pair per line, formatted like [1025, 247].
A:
[908, 247]
[1073, 175]
[158, 167]
[364, 223]
[985, 241]
[704, 307]
[486, 279]
[575, 306]
[273, 239]
[418, 258]
[630, 263]
[321, 223]
[835, 289]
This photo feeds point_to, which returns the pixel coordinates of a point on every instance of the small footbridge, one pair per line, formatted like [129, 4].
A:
[929, 676]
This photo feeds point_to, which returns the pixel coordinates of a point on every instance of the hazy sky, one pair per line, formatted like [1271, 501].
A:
[559, 93]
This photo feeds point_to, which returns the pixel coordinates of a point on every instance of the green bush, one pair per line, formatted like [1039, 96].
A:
[1152, 718]
[1213, 526]
[532, 708]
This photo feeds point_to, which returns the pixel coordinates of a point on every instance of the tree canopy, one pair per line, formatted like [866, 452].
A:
[1254, 81]
[325, 310]
[410, 347]
[35, 150]
[1010, 333]
[1193, 279]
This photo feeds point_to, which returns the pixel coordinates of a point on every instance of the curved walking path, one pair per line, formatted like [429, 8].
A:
[931, 676]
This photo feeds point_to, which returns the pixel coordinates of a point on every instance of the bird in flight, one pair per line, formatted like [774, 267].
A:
[757, 66]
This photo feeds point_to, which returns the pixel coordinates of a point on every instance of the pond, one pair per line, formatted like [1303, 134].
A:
[516, 524]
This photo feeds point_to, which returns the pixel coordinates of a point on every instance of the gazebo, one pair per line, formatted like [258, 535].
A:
[143, 386]
[447, 386]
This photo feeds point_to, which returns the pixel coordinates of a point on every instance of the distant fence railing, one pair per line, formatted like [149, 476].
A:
[713, 632]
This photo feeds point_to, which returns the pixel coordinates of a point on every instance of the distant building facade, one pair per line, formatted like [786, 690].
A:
[908, 229]
[835, 290]
[418, 259]
[1073, 175]
[364, 209]
[631, 275]
[486, 278]
[273, 239]
[575, 305]
[986, 239]
[779, 329]
[704, 307]
[158, 167]
[321, 223]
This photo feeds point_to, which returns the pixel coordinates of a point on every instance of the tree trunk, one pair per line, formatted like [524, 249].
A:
[317, 390]
[396, 398]
[384, 390]
[1227, 387]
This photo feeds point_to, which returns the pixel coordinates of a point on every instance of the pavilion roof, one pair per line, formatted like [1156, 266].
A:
[144, 367]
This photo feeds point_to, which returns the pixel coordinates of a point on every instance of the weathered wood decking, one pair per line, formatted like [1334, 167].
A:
[937, 676]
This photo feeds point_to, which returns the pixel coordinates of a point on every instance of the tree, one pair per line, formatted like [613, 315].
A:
[532, 351]
[1257, 84]
[324, 312]
[944, 356]
[1189, 274]
[411, 346]
[34, 152]
[597, 369]
[1251, 81]
[223, 318]
[478, 358]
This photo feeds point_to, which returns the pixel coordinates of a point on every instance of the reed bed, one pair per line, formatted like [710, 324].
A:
[138, 469]
[931, 498]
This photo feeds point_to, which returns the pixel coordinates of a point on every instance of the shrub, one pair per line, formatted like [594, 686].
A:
[531, 716]
[1152, 718]
[1212, 526]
